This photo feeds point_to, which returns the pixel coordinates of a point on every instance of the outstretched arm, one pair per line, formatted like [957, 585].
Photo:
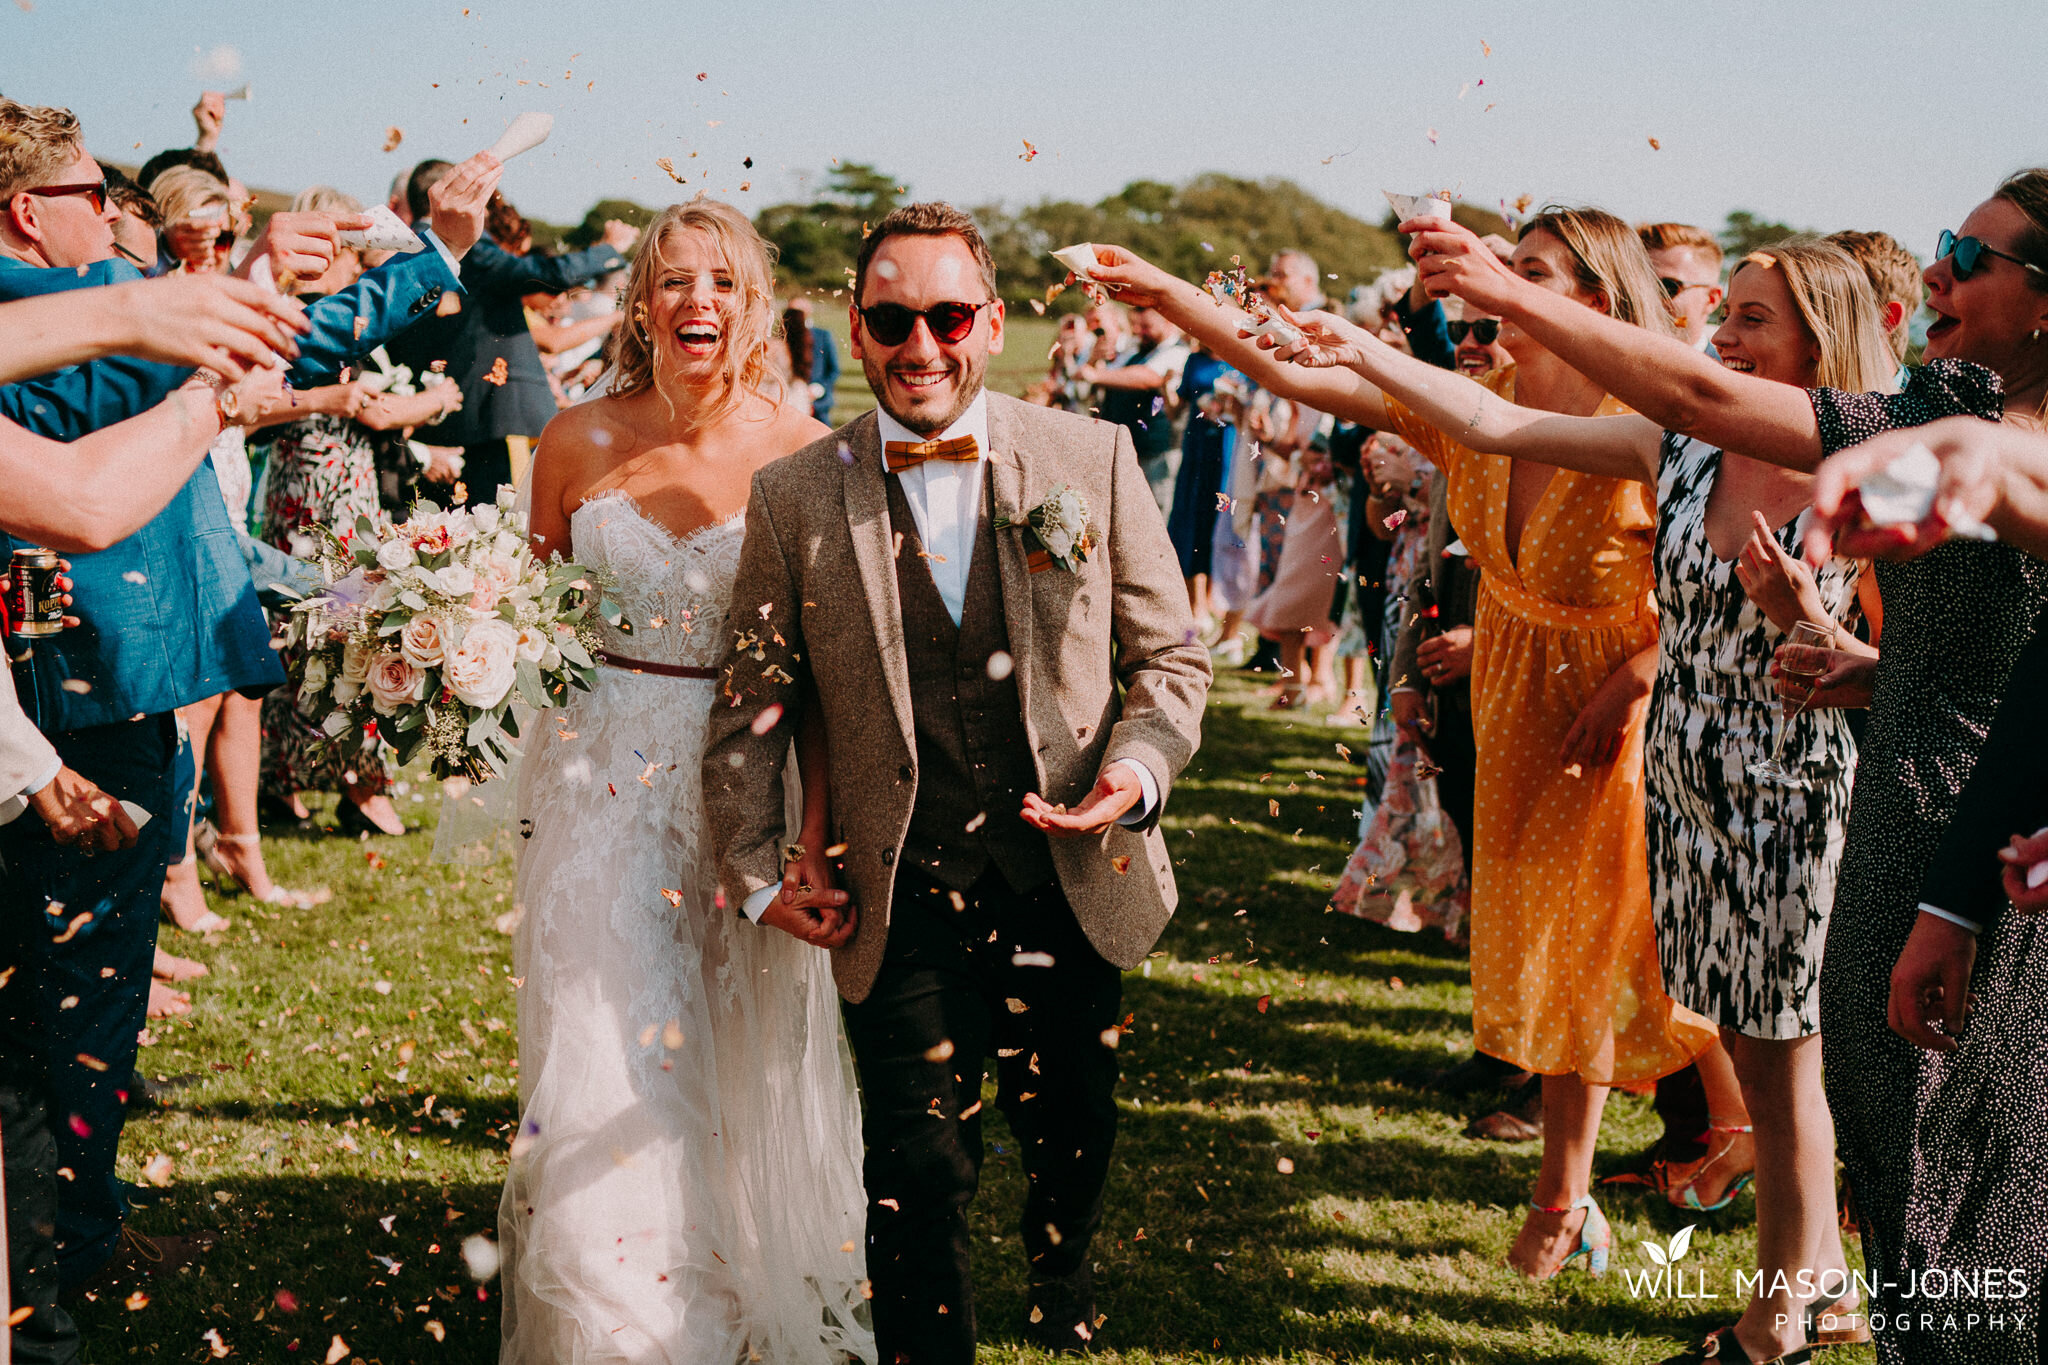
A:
[1667, 381]
[1624, 446]
[1990, 472]
[1140, 284]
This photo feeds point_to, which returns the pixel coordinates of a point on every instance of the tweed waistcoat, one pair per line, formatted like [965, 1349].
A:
[973, 757]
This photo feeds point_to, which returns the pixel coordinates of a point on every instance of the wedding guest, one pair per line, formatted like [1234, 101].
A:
[135, 231]
[1688, 264]
[1895, 275]
[1564, 651]
[1728, 594]
[169, 615]
[194, 205]
[1956, 620]
[812, 353]
[1208, 392]
[488, 350]
[1139, 391]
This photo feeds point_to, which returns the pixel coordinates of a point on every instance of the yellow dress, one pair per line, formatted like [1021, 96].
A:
[1565, 973]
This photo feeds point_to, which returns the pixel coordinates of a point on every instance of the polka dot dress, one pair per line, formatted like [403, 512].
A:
[1565, 976]
[1955, 620]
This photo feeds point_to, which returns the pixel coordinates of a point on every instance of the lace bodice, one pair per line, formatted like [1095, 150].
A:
[673, 591]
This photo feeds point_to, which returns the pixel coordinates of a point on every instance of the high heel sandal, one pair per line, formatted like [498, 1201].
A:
[1841, 1323]
[208, 921]
[295, 900]
[1596, 1238]
[1724, 1346]
[1684, 1192]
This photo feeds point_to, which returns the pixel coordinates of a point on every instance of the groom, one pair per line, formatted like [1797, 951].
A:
[1005, 719]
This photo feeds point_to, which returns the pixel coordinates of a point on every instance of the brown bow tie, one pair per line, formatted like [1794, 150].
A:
[901, 455]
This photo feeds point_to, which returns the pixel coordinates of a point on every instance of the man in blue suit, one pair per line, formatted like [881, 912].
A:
[168, 616]
[490, 353]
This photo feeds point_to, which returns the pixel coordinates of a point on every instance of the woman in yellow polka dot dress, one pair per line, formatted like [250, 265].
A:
[1565, 974]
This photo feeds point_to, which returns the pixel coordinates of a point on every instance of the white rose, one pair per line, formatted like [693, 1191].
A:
[485, 518]
[346, 691]
[533, 644]
[1058, 540]
[395, 682]
[479, 672]
[421, 642]
[316, 678]
[355, 660]
[501, 572]
[551, 660]
[507, 495]
[508, 543]
[456, 580]
[394, 555]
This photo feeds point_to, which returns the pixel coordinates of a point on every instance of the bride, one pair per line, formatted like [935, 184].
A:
[685, 1186]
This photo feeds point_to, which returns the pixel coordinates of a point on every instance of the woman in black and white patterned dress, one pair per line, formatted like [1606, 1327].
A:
[1957, 621]
[1742, 873]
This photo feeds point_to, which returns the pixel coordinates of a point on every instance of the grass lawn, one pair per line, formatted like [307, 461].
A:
[358, 1081]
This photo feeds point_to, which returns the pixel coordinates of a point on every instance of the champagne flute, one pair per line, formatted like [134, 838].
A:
[1808, 661]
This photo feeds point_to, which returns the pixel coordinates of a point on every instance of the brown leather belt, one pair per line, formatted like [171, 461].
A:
[662, 670]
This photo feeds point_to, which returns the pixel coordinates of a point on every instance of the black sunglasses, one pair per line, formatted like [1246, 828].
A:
[1673, 288]
[1966, 252]
[892, 323]
[96, 192]
[1485, 331]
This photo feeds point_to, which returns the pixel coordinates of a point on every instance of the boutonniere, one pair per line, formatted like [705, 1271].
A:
[1057, 528]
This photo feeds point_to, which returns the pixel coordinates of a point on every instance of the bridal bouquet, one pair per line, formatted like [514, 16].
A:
[427, 631]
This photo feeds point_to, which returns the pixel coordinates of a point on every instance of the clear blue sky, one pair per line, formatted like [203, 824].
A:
[1881, 114]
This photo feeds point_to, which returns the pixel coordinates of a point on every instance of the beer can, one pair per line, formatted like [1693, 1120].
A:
[34, 602]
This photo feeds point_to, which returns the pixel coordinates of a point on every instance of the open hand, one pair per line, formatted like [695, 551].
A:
[1452, 259]
[2021, 857]
[459, 200]
[1931, 984]
[1116, 791]
[1782, 588]
[210, 322]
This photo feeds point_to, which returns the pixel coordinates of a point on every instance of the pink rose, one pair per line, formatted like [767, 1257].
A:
[421, 642]
[394, 682]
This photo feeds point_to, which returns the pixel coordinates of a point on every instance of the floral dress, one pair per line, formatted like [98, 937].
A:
[322, 475]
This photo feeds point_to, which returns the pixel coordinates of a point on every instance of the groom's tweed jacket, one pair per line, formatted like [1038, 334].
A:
[1107, 667]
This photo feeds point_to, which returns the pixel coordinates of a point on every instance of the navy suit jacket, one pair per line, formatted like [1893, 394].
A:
[170, 615]
[492, 326]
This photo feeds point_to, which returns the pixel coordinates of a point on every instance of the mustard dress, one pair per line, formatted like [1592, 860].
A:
[1565, 974]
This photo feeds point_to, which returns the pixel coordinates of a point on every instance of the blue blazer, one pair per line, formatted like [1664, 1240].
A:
[490, 326]
[170, 615]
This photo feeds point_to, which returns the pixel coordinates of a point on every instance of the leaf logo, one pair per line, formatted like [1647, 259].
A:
[1681, 1242]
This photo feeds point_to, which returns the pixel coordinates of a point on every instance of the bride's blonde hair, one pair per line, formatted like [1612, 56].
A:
[746, 329]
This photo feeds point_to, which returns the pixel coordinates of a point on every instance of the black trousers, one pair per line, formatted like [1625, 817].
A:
[956, 987]
[81, 991]
[47, 1334]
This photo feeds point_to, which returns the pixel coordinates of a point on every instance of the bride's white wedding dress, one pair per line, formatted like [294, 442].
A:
[685, 1187]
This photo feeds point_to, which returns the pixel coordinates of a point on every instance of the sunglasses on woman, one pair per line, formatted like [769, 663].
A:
[1964, 253]
[95, 192]
[1485, 331]
[892, 323]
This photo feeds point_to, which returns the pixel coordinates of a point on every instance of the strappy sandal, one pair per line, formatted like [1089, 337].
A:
[1685, 1185]
[1841, 1323]
[1596, 1238]
[279, 896]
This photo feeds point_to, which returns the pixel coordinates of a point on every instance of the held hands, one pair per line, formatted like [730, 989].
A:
[80, 814]
[1931, 984]
[459, 200]
[810, 906]
[1782, 587]
[1116, 791]
[2021, 857]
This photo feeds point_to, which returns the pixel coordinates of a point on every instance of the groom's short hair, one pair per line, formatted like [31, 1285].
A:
[932, 219]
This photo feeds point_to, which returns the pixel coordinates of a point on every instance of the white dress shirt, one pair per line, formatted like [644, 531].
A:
[945, 501]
